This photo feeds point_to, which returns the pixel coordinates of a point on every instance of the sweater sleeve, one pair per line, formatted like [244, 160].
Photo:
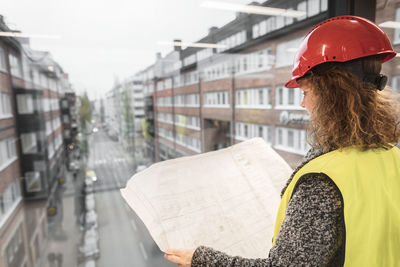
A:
[311, 233]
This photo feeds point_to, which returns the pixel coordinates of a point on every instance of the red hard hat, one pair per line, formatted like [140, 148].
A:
[339, 39]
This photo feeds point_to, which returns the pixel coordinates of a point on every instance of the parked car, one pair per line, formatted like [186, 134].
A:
[90, 219]
[90, 248]
[91, 232]
[91, 174]
[88, 188]
[90, 202]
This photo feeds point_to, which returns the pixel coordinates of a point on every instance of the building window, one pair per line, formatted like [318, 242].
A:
[324, 5]
[313, 8]
[280, 96]
[232, 41]
[64, 104]
[292, 140]
[44, 80]
[216, 71]
[260, 131]
[7, 152]
[244, 131]
[50, 149]
[205, 53]
[168, 83]
[56, 123]
[65, 119]
[164, 117]
[288, 98]
[286, 51]
[280, 138]
[244, 64]
[29, 143]
[46, 104]
[14, 246]
[256, 30]
[53, 85]
[58, 141]
[270, 24]
[49, 127]
[216, 99]
[33, 182]
[25, 103]
[35, 76]
[179, 100]
[9, 197]
[302, 6]
[260, 59]
[396, 39]
[177, 81]
[160, 85]
[164, 101]
[15, 66]
[189, 142]
[289, 20]
[5, 109]
[396, 83]
[168, 134]
[310, 8]
[258, 98]
[189, 60]
[280, 21]
[3, 66]
[54, 104]
[191, 77]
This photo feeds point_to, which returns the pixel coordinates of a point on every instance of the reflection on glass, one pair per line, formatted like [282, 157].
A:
[190, 100]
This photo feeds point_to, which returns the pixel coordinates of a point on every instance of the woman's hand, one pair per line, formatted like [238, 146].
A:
[180, 256]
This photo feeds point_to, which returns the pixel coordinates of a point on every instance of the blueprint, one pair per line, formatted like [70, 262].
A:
[225, 199]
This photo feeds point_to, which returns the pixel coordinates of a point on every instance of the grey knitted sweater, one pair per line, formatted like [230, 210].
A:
[311, 234]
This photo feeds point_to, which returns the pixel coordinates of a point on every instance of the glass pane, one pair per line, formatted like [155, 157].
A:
[85, 107]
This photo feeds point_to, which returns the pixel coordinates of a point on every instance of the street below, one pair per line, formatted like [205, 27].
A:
[123, 238]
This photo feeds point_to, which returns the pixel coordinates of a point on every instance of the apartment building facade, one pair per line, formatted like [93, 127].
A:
[13, 241]
[224, 95]
[234, 92]
[31, 147]
[69, 119]
[124, 115]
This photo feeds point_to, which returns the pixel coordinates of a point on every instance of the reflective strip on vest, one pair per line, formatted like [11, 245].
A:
[369, 183]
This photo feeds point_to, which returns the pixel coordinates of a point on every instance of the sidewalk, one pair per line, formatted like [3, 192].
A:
[64, 234]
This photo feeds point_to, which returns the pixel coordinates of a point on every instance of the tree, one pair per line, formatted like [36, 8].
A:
[85, 117]
[85, 111]
[128, 116]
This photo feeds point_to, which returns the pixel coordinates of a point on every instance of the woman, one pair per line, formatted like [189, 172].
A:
[341, 205]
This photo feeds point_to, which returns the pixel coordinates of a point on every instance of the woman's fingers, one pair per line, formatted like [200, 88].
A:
[180, 256]
[173, 258]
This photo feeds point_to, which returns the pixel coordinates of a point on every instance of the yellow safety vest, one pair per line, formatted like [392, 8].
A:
[369, 183]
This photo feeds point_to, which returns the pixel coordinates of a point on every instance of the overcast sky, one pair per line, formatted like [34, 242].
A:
[103, 39]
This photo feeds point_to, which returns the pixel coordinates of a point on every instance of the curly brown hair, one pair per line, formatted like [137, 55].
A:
[349, 112]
